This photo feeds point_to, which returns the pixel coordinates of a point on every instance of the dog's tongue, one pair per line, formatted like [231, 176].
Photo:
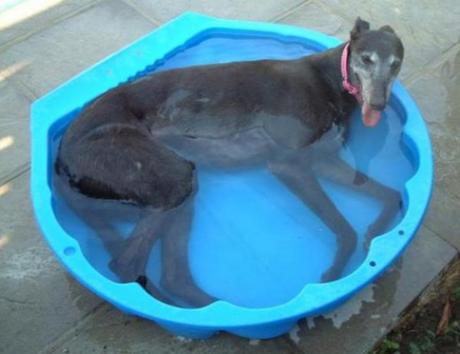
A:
[370, 116]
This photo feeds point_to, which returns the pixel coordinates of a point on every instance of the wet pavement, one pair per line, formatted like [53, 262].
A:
[42, 309]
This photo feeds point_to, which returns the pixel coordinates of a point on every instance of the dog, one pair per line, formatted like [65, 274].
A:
[142, 142]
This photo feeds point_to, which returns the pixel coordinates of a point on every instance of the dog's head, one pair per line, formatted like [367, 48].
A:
[375, 60]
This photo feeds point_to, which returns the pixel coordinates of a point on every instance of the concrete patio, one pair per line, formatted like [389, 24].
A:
[43, 44]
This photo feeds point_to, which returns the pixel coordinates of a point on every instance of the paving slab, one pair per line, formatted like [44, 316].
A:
[163, 11]
[355, 327]
[443, 217]
[28, 16]
[110, 331]
[54, 55]
[427, 27]
[437, 92]
[314, 16]
[38, 300]
[14, 129]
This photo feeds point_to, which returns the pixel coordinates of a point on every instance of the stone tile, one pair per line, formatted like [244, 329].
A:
[53, 56]
[163, 11]
[443, 217]
[316, 17]
[110, 331]
[426, 27]
[14, 129]
[356, 326]
[29, 16]
[437, 93]
[38, 300]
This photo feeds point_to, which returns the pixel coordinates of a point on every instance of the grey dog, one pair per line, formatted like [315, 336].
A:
[141, 143]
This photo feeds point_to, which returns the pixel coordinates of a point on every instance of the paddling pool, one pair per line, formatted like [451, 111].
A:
[253, 245]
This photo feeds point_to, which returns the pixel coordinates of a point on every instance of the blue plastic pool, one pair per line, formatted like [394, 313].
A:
[265, 251]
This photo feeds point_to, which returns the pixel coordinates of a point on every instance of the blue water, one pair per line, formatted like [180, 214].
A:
[253, 242]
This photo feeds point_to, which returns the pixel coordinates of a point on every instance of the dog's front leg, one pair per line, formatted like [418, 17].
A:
[337, 170]
[296, 173]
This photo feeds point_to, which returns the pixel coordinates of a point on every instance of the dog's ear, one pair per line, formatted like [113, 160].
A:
[360, 27]
[387, 28]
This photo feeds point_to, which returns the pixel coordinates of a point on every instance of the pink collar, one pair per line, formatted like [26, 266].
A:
[347, 85]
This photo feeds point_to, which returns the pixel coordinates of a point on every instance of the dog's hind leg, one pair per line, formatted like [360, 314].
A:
[337, 170]
[126, 163]
[89, 210]
[173, 228]
[297, 175]
[176, 277]
[130, 263]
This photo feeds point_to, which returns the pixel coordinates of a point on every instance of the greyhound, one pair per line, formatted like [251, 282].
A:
[142, 142]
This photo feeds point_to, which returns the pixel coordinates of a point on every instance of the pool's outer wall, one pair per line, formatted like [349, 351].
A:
[314, 299]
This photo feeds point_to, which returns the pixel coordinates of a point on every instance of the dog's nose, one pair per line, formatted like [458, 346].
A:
[377, 106]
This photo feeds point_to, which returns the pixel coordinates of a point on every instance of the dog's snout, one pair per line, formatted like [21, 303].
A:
[377, 101]
[378, 89]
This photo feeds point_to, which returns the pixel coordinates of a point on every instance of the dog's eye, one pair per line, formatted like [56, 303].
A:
[395, 65]
[367, 59]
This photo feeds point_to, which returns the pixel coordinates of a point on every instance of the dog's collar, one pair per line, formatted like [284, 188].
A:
[347, 85]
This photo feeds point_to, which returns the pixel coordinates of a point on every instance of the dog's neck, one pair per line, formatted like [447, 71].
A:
[353, 90]
[328, 64]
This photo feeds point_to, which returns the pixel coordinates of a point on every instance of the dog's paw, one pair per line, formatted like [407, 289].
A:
[331, 274]
[126, 271]
[382, 224]
[186, 290]
[360, 179]
[152, 289]
[371, 233]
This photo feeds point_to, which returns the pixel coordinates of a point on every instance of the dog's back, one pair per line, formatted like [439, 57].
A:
[226, 114]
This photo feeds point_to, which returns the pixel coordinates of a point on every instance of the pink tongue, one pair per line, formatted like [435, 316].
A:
[370, 117]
